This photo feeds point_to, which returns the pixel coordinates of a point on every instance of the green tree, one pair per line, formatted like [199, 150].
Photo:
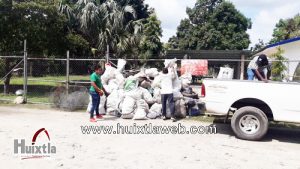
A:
[141, 9]
[278, 66]
[185, 38]
[105, 23]
[151, 45]
[212, 24]
[77, 45]
[84, 18]
[286, 29]
[39, 23]
[121, 31]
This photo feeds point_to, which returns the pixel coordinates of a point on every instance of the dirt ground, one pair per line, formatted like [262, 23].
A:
[279, 149]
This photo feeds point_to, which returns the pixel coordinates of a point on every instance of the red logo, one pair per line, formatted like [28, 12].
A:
[37, 133]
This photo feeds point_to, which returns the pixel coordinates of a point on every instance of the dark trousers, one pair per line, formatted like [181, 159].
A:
[167, 98]
[95, 103]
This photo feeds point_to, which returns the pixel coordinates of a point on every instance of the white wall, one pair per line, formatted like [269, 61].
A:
[291, 52]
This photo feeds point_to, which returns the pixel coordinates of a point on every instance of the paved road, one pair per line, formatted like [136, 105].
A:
[279, 149]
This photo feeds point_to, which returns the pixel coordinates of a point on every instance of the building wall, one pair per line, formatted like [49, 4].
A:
[291, 52]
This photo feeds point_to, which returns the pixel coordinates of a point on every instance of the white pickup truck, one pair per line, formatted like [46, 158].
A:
[253, 104]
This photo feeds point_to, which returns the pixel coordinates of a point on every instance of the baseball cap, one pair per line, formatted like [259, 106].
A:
[262, 60]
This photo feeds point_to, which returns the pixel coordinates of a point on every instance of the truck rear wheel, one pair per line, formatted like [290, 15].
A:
[249, 123]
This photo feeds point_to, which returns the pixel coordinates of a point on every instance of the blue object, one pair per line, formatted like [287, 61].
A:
[250, 74]
[194, 112]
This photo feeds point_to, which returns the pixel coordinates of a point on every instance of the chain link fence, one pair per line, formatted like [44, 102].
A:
[64, 82]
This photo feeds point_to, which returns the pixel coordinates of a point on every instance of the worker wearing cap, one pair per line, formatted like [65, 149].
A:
[256, 68]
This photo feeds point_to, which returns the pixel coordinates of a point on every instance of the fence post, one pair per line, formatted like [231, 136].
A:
[242, 67]
[25, 72]
[107, 53]
[68, 72]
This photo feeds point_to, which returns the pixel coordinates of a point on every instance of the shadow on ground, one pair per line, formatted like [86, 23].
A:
[282, 134]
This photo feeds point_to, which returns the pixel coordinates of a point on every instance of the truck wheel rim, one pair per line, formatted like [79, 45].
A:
[249, 124]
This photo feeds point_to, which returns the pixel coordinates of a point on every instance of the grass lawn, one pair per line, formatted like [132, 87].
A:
[46, 81]
[39, 88]
[31, 97]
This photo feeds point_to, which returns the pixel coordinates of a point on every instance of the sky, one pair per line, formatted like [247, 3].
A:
[264, 15]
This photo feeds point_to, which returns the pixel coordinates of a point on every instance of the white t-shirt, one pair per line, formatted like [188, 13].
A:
[166, 83]
[253, 64]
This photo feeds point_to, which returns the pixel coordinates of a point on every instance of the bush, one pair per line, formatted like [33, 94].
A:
[278, 67]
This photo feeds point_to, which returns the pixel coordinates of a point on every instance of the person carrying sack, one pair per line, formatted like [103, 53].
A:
[167, 97]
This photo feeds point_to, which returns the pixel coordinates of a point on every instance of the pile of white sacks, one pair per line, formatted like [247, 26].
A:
[133, 98]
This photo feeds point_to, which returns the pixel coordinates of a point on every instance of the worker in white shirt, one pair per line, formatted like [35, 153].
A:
[167, 92]
[256, 68]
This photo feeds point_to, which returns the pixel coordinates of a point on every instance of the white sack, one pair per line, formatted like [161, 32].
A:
[121, 65]
[152, 72]
[155, 111]
[176, 82]
[186, 79]
[120, 80]
[108, 74]
[129, 105]
[112, 85]
[147, 96]
[225, 73]
[140, 74]
[177, 96]
[176, 85]
[170, 63]
[141, 111]
[114, 99]
[157, 95]
[156, 82]
[101, 105]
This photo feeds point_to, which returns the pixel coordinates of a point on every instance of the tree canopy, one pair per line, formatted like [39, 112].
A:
[212, 24]
[84, 27]
[117, 24]
[40, 24]
[150, 44]
[286, 29]
[75, 25]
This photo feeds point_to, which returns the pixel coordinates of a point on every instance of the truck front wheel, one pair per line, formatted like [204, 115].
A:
[249, 123]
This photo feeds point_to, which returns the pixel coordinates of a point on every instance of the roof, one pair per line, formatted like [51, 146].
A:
[207, 54]
[276, 44]
[283, 42]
